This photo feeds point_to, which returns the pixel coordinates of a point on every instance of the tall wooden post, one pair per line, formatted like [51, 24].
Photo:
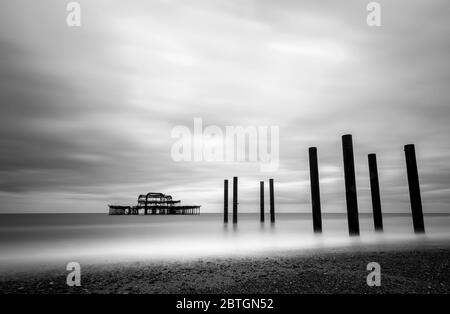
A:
[225, 201]
[315, 191]
[272, 202]
[375, 192]
[235, 199]
[350, 185]
[414, 188]
[261, 201]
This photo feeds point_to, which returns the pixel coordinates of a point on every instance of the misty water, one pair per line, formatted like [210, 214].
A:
[45, 239]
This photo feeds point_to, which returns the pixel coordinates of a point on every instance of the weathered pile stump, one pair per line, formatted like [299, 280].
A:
[350, 185]
[315, 190]
[414, 189]
[375, 193]
[272, 202]
[235, 200]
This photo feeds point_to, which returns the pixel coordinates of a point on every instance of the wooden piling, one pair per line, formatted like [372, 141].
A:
[261, 201]
[350, 185]
[225, 201]
[235, 199]
[375, 192]
[414, 189]
[315, 190]
[272, 202]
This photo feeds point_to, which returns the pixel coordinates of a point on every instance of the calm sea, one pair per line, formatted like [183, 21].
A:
[44, 239]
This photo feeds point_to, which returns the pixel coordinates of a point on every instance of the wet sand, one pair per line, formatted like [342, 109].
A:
[409, 270]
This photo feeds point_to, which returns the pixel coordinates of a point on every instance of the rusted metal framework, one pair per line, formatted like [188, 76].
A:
[155, 204]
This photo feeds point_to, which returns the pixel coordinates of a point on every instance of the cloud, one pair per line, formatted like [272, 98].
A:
[87, 113]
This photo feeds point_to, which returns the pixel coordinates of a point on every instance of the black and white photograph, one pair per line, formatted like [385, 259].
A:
[224, 152]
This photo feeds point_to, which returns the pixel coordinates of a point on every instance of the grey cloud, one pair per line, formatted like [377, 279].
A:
[86, 114]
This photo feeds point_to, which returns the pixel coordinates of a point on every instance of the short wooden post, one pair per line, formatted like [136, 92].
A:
[225, 201]
[375, 192]
[235, 200]
[414, 189]
[350, 185]
[261, 201]
[272, 202]
[315, 191]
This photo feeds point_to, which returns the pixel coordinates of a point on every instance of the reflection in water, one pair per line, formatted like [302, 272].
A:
[101, 238]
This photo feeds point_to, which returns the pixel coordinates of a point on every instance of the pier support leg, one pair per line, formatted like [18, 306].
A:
[414, 189]
[225, 201]
[350, 185]
[272, 202]
[375, 192]
[315, 191]
[261, 201]
[235, 200]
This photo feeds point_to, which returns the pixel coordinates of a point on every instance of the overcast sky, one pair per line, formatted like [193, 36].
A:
[87, 113]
